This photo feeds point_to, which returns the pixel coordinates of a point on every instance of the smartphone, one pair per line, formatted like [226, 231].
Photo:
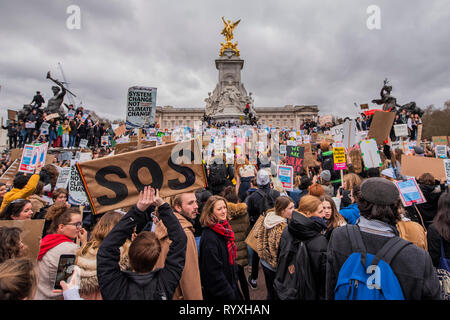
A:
[65, 269]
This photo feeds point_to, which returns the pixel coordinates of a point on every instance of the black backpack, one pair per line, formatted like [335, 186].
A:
[294, 278]
[218, 174]
[268, 200]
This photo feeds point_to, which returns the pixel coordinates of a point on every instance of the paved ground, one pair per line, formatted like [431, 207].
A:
[260, 293]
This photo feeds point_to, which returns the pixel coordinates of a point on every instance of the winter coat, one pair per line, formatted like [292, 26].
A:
[297, 194]
[428, 209]
[219, 278]
[268, 237]
[125, 285]
[190, 287]
[412, 265]
[255, 203]
[240, 224]
[434, 245]
[37, 203]
[23, 193]
[311, 231]
[47, 269]
[350, 213]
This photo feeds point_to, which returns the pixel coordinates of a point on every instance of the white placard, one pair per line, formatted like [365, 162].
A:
[338, 132]
[447, 170]
[349, 134]
[370, 153]
[83, 143]
[401, 130]
[141, 107]
[63, 178]
[77, 196]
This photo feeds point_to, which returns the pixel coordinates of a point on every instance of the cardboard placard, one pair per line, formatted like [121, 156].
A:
[77, 194]
[132, 146]
[338, 132]
[441, 151]
[401, 130]
[370, 153]
[31, 234]
[12, 115]
[410, 192]
[115, 183]
[364, 106]
[414, 166]
[419, 132]
[441, 140]
[120, 130]
[83, 143]
[286, 176]
[381, 125]
[51, 116]
[294, 157]
[104, 141]
[16, 154]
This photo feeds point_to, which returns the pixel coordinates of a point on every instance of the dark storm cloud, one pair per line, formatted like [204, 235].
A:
[295, 52]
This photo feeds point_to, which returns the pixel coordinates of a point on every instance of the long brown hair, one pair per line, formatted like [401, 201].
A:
[59, 214]
[282, 203]
[207, 218]
[442, 218]
[18, 279]
[336, 218]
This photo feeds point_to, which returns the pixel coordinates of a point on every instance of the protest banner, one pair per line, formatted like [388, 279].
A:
[401, 130]
[63, 178]
[132, 146]
[120, 130]
[65, 156]
[396, 145]
[51, 116]
[364, 106]
[141, 107]
[8, 176]
[339, 158]
[291, 143]
[28, 159]
[413, 166]
[12, 115]
[42, 153]
[349, 134]
[447, 170]
[294, 157]
[85, 116]
[44, 128]
[71, 114]
[77, 194]
[381, 125]
[173, 168]
[104, 141]
[30, 124]
[83, 156]
[370, 154]
[410, 192]
[323, 120]
[31, 234]
[439, 140]
[286, 176]
[83, 143]
[306, 139]
[441, 151]
[338, 132]
[282, 148]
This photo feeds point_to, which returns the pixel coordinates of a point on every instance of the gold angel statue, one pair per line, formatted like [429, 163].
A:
[228, 33]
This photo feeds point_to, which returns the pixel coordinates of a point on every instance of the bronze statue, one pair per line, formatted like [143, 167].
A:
[389, 102]
[228, 33]
[55, 102]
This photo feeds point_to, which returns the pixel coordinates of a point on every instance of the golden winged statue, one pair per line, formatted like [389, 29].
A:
[228, 33]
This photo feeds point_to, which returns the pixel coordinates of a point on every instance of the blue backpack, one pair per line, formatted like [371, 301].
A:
[365, 276]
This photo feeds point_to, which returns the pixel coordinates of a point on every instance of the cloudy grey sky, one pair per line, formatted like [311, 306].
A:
[296, 52]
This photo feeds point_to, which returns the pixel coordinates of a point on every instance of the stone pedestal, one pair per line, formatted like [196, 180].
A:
[229, 99]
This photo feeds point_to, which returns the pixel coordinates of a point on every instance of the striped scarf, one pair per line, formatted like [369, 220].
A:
[223, 228]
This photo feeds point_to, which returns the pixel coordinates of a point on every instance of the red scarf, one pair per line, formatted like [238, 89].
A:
[224, 229]
[50, 241]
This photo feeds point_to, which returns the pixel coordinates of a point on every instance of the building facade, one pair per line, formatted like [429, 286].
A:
[288, 116]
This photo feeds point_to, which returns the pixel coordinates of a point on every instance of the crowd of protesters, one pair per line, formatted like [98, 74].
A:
[193, 246]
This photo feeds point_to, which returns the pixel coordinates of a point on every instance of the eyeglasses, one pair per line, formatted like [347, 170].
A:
[76, 224]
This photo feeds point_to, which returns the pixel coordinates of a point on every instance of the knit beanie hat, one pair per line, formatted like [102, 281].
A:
[325, 175]
[379, 191]
[262, 177]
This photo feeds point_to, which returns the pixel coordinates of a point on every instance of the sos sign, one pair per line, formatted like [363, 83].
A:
[116, 183]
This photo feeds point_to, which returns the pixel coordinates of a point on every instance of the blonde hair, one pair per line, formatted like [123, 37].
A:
[356, 159]
[351, 180]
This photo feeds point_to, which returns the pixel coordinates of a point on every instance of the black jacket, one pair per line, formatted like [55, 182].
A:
[434, 245]
[125, 285]
[12, 129]
[412, 265]
[310, 230]
[255, 203]
[428, 209]
[219, 278]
